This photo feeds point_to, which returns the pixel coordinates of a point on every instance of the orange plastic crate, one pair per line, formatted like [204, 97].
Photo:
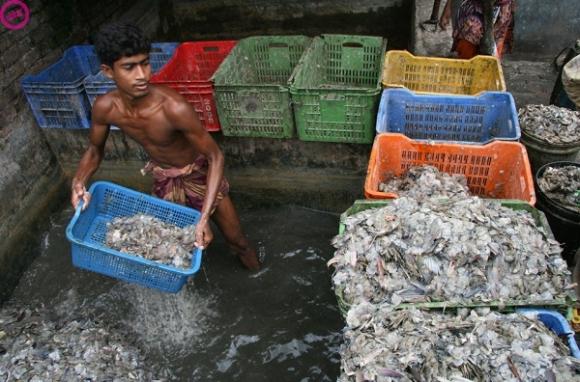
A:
[499, 170]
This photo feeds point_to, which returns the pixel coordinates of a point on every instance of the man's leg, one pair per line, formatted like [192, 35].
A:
[226, 217]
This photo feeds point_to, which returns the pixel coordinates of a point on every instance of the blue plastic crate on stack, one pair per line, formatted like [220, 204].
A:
[98, 83]
[453, 118]
[56, 95]
[87, 233]
[557, 323]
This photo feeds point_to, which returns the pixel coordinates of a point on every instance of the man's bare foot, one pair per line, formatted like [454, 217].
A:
[250, 260]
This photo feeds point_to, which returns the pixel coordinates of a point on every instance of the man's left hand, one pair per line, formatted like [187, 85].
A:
[203, 235]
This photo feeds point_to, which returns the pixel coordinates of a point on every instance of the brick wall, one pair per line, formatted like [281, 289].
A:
[31, 181]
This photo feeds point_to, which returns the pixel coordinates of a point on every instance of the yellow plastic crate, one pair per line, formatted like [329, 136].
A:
[442, 75]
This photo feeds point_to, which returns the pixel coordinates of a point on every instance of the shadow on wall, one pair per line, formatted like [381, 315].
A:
[182, 20]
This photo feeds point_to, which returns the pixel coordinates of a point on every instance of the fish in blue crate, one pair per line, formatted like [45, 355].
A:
[135, 237]
[152, 239]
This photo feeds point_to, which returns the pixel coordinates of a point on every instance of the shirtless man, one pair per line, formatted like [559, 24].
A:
[186, 163]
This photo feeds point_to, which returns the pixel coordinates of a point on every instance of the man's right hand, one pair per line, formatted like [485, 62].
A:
[78, 193]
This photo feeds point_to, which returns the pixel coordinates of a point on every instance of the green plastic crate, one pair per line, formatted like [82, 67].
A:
[335, 89]
[251, 86]
[563, 305]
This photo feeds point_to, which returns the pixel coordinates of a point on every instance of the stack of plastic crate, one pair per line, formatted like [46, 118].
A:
[252, 86]
[336, 87]
[189, 72]
[57, 95]
[455, 115]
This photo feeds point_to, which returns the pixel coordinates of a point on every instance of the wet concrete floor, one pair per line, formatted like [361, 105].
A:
[227, 324]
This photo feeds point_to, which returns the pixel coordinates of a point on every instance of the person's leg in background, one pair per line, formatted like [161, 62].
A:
[504, 26]
[467, 29]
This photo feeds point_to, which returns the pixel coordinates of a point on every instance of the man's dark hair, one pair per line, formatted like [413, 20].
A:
[118, 40]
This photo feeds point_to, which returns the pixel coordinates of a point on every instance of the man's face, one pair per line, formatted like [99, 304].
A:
[131, 74]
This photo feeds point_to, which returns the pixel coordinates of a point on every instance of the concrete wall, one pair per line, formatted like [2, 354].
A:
[546, 27]
[542, 28]
[213, 19]
[31, 181]
[528, 72]
[280, 170]
[314, 174]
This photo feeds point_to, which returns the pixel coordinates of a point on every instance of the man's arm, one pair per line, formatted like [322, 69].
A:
[93, 155]
[184, 118]
[445, 15]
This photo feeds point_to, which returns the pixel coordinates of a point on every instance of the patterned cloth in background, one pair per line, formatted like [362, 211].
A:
[468, 23]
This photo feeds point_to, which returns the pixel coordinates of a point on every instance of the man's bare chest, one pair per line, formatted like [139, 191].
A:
[147, 129]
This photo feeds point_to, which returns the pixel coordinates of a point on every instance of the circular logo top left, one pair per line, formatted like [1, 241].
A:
[14, 14]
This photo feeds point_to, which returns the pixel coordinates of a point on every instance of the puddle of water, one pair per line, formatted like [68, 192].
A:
[227, 324]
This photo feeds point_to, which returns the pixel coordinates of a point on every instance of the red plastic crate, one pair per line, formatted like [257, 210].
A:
[498, 170]
[189, 73]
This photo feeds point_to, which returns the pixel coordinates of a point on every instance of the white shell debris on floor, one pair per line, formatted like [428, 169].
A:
[36, 348]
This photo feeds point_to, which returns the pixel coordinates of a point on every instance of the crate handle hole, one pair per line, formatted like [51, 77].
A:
[210, 48]
[278, 45]
[352, 45]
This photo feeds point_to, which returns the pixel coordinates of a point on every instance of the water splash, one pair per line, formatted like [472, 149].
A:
[282, 352]
[167, 324]
[291, 254]
[230, 358]
[172, 321]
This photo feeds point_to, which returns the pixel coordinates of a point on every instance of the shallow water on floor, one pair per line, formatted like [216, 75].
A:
[227, 324]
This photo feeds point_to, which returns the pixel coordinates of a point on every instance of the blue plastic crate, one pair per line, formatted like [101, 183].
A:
[557, 323]
[56, 95]
[87, 234]
[452, 118]
[98, 83]
[160, 53]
